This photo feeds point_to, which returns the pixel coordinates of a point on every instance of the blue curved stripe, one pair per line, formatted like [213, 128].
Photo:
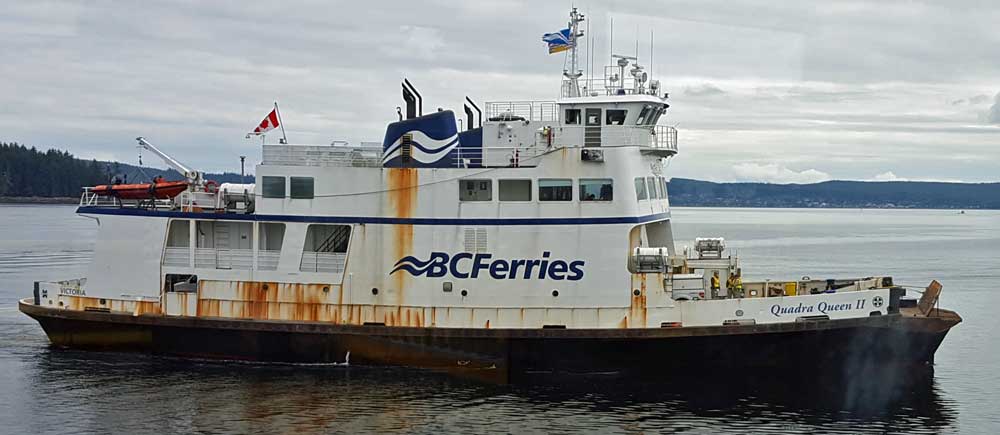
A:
[413, 271]
[379, 220]
[416, 262]
[421, 147]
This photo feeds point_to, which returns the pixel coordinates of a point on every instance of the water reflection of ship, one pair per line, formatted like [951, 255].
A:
[318, 398]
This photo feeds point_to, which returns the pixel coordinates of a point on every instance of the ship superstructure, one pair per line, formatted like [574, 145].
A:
[539, 236]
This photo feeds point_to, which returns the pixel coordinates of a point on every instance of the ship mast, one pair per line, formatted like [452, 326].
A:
[573, 73]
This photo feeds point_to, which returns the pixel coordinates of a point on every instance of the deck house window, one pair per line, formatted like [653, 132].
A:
[640, 188]
[596, 189]
[653, 193]
[270, 237]
[301, 187]
[273, 187]
[615, 116]
[475, 190]
[572, 116]
[325, 249]
[178, 249]
[555, 190]
[515, 190]
[223, 245]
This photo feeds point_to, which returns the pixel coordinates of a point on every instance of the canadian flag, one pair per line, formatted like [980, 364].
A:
[269, 123]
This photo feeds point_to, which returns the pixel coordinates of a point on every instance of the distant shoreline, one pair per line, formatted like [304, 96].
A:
[63, 200]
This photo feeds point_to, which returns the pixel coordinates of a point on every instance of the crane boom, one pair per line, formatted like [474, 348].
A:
[191, 174]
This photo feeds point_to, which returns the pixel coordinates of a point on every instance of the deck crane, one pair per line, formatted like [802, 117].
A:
[194, 178]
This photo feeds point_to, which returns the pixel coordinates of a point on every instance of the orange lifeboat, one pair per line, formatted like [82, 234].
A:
[158, 190]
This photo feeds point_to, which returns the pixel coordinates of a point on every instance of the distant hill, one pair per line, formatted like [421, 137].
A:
[836, 194]
[28, 172]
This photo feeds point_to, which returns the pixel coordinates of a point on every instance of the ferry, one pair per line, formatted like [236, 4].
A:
[533, 238]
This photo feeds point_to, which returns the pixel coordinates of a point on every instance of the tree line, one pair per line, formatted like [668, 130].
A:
[30, 172]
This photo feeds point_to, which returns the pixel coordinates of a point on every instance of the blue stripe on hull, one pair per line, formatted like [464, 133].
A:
[376, 220]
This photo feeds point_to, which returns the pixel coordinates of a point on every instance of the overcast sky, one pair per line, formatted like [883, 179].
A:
[761, 91]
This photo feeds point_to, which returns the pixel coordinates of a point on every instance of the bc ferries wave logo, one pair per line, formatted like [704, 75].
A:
[423, 148]
[465, 265]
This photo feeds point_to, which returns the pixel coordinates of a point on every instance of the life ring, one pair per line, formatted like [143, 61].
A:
[211, 186]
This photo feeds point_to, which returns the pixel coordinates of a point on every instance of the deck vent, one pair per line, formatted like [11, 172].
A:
[819, 318]
[406, 149]
[475, 240]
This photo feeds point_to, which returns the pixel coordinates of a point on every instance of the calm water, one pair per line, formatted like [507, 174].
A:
[46, 390]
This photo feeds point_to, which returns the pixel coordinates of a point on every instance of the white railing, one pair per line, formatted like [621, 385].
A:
[90, 199]
[268, 260]
[528, 110]
[324, 262]
[666, 138]
[498, 156]
[232, 259]
[658, 137]
[179, 256]
[323, 155]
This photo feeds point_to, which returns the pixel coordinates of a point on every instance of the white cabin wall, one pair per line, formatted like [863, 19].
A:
[126, 258]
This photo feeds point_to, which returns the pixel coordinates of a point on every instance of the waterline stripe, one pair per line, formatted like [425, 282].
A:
[376, 220]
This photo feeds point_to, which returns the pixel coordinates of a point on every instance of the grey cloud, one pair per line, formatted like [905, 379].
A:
[979, 99]
[993, 116]
[705, 90]
[843, 85]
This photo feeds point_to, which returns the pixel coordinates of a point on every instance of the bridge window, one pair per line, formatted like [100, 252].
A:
[301, 187]
[615, 116]
[273, 187]
[555, 190]
[475, 190]
[655, 115]
[572, 116]
[643, 114]
[515, 190]
[640, 188]
[595, 189]
[653, 192]
[661, 187]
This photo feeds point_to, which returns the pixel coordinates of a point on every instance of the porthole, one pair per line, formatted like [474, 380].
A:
[555, 293]
[465, 292]
[374, 291]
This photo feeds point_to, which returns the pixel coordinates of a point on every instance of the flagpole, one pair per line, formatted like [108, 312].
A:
[281, 123]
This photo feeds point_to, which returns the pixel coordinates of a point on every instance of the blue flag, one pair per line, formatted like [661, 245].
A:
[559, 41]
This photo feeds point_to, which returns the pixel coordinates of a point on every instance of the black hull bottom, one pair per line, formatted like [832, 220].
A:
[829, 347]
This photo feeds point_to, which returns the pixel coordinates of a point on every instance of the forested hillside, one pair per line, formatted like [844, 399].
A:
[28, 172]
[836, 194]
